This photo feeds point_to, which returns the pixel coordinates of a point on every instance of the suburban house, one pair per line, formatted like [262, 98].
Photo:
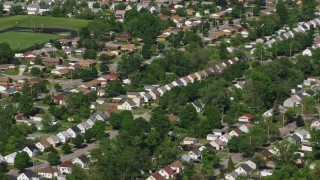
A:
[167, 172]
[245, 127]
[266, 172]
[156, 176]
[63, 136]
[127, 105]
[54, 140]
[42, 145]
[177, 166]
[101, 116]
[28, 175]
[245, 118]
[31, 150]
[49, 172]
[7, 5]
[189, 141]
[195, 154]
[293, 101]
[5, 81]
[218, 144]
[197, 105]
[303, 134]
[74, 131]
[83, 126]
[91, 121]
[82, 161]
[33, 9]
[294, 139]
[235, 132]
[65, 167]
[51, 61]
[10, 158]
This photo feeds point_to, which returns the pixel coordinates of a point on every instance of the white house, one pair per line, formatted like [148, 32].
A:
[74, 131]
[138, 100]
[245, 118]
[245, 127]
[244, 169]
[167, 172]
[91, 121]
[190, 141]
[7, 5]
[268, 113]
[101, 116]
[266, 172]
[218, 132]
[10, 158]
[225, 138]
[28, 175]
[251, 164]
[63, 136]
[218, 144]
[53, 140]
[211, 137]
[65, 167]
[49, 172]
[127, 105]
[31, 150]
[303, 134]
[198, 106]
[38, 117]
[231, 176]
[83, 126]
[307, 52]
[33, 9]
[42, 145]
[82, 161]
[195, 154]
[306, 147]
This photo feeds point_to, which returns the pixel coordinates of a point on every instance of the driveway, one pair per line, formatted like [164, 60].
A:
[287, 128]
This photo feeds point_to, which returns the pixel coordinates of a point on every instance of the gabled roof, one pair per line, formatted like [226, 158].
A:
[169, 170]
[176, 164]
[157, 176]
[66, 164]
[102, 115]
[84, 159]
[247, 168]
[296, 138]
[49, 170]
[75, 129]
[30, 174]
[32, 147]
[249, 116]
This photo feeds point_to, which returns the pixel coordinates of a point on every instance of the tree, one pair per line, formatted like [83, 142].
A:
[115, 121]
[309, 105]
[213, 115]
[36, 72]
[146, 52]
[90, 54]
[66, 148]
[181, 12]
[53, 158]
[282, 12]
[166, 151]
[315, 141]
[104, 68]
[1, 8]
[209, 159]
[188, 116]
[260, 51]
[223, 52]
[57, 87]
[16, 9]
[286, 153]
[115, 88]
[6, 53]
[25, 104]
[130, 64]
[21, 160]
[230, 165]
[38, 60]
[47, 124]
[77, 173]
[77, 141]
[57, 45]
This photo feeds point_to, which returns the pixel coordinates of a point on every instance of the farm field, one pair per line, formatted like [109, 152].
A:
[39, 21]
[21, 40]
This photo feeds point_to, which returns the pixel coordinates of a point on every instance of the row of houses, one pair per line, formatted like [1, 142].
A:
[61, 137]
[58, 172]
[308, 87]
[302, 27]
[155, 92]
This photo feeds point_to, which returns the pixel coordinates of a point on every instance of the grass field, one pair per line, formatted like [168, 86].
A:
[21, 40]
[38, 21]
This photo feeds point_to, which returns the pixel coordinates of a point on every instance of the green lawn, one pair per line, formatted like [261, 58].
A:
[39, 21]
[22, 40]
